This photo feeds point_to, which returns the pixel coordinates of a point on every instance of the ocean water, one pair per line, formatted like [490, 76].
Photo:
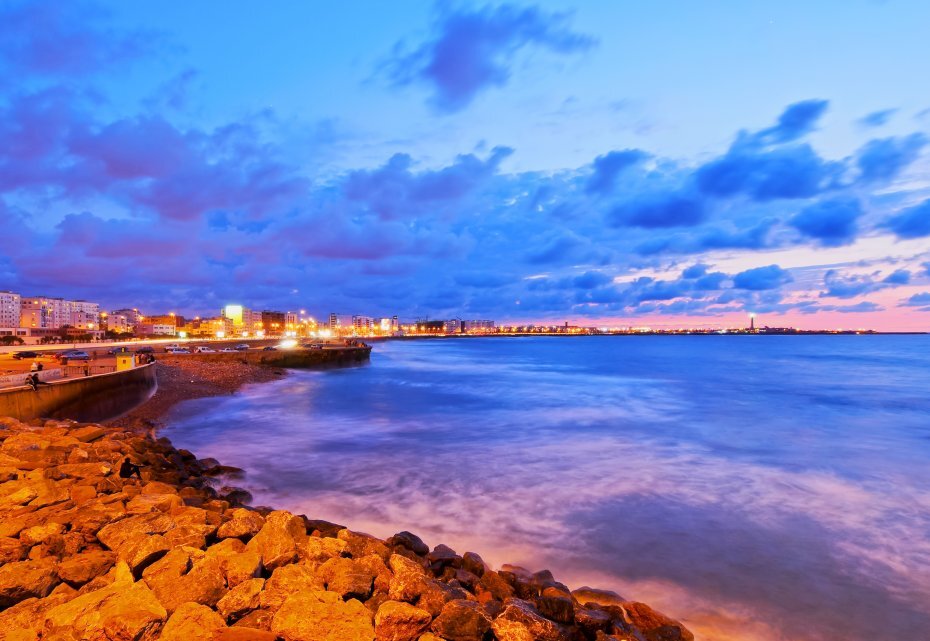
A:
[755, 487]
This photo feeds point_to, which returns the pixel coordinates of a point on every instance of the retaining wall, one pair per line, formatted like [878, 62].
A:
[286, 358]
[92, 398]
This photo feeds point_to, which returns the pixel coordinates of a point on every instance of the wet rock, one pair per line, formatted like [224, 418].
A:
[519, 621]
[192, 621]
[409, 579]
[278, 540]
[133, 528]
[436, 594]
[494, 586]
[585, 595]
[399, 621]
[27, 579]
[655, 626]
[347, 577]
[462, 620]
[322, 616]
[243, 524]
[473, 563]
[241, 600]
[81, 568]
[592, 621]
[409, 541]
[186, 575]
[557, 605]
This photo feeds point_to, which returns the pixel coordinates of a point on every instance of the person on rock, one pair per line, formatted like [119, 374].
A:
[128, 469]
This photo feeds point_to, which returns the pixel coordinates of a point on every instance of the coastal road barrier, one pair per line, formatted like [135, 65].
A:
[284, 358]
[16, 379]
[96, 397]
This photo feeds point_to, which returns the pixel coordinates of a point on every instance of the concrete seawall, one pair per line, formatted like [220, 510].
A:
[94, 398]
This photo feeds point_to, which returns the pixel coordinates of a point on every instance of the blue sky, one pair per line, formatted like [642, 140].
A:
[617, 163]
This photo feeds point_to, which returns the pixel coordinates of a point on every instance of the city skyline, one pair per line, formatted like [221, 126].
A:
[527, 162]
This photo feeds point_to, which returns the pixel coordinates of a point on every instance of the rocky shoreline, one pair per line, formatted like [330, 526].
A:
[177, 556]
[181, 379]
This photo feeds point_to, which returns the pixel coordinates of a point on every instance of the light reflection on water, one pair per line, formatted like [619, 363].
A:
[754, 487]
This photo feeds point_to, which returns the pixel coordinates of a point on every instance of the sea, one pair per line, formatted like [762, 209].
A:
[759, 488]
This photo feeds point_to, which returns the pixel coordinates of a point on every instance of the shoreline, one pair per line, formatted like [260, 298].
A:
[86, 554]
[181, 379]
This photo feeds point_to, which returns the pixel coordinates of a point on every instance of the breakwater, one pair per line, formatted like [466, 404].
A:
[92, 398]
[86, 554]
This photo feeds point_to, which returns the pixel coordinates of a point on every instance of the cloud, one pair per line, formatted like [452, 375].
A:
[921, 300]
[898, 277]
[473, 49]
[62, 39]
[831, 222]
[591, 280]
[796, 121]
[877, 118]
[840, 286]
[609, 166]
[913, 222]
[675, 210]
[883, 159]
[395, 190]
[762, 278]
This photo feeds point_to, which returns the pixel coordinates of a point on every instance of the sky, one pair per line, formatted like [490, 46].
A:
[615, 163]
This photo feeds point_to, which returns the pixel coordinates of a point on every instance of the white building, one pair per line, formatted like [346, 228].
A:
[10, 309]
[477, 326]
[41, 312]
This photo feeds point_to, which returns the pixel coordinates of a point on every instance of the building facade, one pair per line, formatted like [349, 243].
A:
[10, 309]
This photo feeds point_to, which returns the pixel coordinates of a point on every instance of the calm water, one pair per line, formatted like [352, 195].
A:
[755, 487]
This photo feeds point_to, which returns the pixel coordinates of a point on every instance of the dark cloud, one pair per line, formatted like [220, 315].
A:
[831, 222]
[67, 39]
[473, 49]
[674, 210]
[841, 286]
[609, 166]
[591, 280]
[762, 278]
[913, 222]
[395, 190]
[695, 271]
[883, 159]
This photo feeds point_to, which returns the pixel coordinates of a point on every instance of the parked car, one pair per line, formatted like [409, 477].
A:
[177, 350]
[145, 350]
[118, 350]
[204, 349]
[21, 355]
[229, 349]
[269, 348]
[315, 346]
[172, 346]
[75, 355]
[242, 347]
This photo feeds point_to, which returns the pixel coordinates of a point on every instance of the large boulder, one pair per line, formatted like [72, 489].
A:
[409, 579]
[359, 545]
[655, 626]
[239, 563]
[242, 524]
[78, 569]
[520, 621]
[317, 549]
[27, 579]
[322, 616]
[409, 541]
[348, 578]
[124, 610]
[399, 621]
[462, 620]
[241, 599]
[279, 539]
[286, 581]
[192, 621]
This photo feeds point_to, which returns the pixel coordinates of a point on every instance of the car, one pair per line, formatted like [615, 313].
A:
[75, 355]
[172, 346]
[177, 350]
[315, 346]
[203, 349]
[145, 350]
[269, 348]
[21, 355]
[228, 350]
[242, 347]
[118, 350]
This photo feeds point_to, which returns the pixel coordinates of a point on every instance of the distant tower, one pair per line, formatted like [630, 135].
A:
[752, 322]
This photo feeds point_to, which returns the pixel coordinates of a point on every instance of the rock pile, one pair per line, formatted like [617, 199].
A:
[87, 555]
